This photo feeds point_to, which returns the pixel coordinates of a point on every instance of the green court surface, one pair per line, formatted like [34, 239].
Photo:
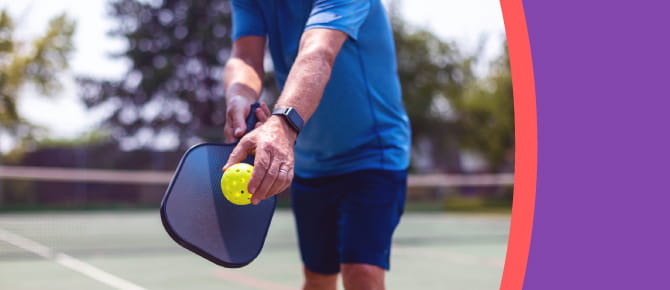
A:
[130, 250]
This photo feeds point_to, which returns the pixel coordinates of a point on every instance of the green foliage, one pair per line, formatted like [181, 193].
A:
[177, 50]
[487, 114]
[433, 74]
[498, 203]
[85, 139]
[33, 64]
[449, 105]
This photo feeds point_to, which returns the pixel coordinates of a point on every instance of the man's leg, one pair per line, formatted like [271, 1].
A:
[369, 214]
[346, 223]
[362, 277]
[316, 281]
[315, 211]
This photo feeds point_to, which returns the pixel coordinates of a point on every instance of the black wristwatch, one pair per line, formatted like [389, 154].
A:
[291, 116]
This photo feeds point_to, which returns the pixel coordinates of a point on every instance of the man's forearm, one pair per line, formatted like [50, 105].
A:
[241, 79]
[311, 71]
[243, 74]
[305, 85]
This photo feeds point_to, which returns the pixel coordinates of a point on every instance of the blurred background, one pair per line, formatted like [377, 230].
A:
[130, 85]
[99, 99]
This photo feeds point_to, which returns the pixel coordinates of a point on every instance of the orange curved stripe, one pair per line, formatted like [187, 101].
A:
[525, 125]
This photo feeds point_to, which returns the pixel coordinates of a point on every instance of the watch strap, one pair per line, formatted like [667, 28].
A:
[291, 116]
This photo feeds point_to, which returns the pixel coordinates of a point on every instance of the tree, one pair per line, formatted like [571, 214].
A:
[487, 115]
[33, 64]
[177, 50]
[451, 109]
[434, 74]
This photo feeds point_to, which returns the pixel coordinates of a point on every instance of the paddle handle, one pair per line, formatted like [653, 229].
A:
[251, 119]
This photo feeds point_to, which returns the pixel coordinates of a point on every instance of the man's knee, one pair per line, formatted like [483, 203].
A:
[317, 281]
[357, 276]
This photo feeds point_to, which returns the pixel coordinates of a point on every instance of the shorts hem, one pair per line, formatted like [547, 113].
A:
[321, 271]
[384, 266]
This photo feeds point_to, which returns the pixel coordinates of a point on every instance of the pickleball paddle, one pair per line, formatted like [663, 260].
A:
[198, 217]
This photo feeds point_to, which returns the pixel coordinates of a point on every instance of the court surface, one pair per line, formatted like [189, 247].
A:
[130, 250]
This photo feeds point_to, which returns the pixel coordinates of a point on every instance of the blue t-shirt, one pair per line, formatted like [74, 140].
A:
[360, 122]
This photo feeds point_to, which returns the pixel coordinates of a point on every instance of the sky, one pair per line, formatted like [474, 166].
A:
[464, 22]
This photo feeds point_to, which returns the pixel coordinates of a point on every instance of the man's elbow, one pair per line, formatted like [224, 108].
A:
[323, 55]
[321, 45]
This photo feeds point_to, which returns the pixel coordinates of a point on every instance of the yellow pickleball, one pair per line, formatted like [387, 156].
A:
[234, 183]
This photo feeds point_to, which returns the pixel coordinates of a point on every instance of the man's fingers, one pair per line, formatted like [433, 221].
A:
[262, 163]
[238, 123]
[284, 177]
[239, 153]
[261, 117]
[228, 134]
[228, 127]
[263, 190]
[265, 109]
[262, 114]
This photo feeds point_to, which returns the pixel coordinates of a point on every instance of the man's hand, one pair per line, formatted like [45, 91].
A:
[272, 142]
[237, 111]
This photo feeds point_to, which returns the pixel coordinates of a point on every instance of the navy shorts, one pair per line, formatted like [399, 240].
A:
[348, 218]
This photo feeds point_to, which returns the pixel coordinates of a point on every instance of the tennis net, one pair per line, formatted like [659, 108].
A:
[61, 186]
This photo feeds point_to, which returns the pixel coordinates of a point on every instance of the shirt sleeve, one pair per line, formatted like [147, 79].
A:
[247, 19]
[344, 15]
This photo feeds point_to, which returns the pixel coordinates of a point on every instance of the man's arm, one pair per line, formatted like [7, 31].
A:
[311, 71]
[273, 141]
[243, 82]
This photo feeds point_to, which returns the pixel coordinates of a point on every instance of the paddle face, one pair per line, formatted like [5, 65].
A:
[198, 217]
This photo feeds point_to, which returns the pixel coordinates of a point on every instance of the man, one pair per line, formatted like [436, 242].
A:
[334, 61]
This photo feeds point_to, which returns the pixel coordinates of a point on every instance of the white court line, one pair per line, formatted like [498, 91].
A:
[67, 261]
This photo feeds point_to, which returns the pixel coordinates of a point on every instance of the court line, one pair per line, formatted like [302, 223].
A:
[67, 261]
[239, 278]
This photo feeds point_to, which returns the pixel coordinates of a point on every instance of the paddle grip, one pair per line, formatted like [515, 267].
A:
[251, 119]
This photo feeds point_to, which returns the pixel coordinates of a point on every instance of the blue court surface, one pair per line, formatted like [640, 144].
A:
[130, 250]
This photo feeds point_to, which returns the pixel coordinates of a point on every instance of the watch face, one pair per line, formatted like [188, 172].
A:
[291, 116]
